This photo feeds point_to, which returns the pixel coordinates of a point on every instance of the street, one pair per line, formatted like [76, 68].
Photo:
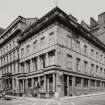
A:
[93, 100]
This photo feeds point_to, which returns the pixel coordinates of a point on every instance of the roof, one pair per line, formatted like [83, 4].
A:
[1, 31]
[11, 25]
[60, 16]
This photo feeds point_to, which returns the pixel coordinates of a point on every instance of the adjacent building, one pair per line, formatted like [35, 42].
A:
[9, 53]
[55, 54]
[1, 31]
[98, 27]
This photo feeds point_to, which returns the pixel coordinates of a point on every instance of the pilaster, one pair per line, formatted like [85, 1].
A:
[68, 86]
[54, 82]
[82, 86]
[73, 85]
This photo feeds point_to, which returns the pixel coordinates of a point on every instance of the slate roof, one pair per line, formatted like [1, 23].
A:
[1, 30]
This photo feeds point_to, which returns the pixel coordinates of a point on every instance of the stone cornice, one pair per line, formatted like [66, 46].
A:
[57, 15]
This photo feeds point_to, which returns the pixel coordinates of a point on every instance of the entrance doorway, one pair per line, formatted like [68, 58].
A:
[67, 86]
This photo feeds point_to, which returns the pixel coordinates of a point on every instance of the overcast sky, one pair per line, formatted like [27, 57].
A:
[81, 9]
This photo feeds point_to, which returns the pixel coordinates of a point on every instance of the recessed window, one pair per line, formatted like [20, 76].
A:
[1, 51]
[78, 82]
[42, 61]
[35, 63]
[92, 83]
[96, 54]
[97, 70]
[78, 45]
[85, 49]
[92, 69]
[28, 49]
[28, 66]
[42, 43]
[22, 52]
[22, 67]
[78, 65]
[51, 38]
[69, 61]
[101, 71]
[4, 50]
[51, 56]
[85, 66]
[69, 42]
[34, 44]
[92, 52]
[29, 82]
[14, 43]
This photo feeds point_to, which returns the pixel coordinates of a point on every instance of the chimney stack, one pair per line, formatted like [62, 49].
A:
[93, 22]
[101, 19]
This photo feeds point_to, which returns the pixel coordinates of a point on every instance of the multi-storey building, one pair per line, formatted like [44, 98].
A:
[1, 31]
[9, 53]
[56, 55]
[98, 27]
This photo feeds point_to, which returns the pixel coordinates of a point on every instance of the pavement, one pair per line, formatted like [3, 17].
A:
[93, 99]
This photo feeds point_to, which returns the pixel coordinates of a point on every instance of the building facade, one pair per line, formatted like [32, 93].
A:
[97, 27]
[58, 55]
[9, 54]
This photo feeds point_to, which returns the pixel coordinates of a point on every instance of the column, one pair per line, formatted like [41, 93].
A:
[47, 95]
[82, 87]
[26, 85]
[68, 86]
[39, 87]
[54, 83]
[60, 84]
[39, 83]
[4, 84]
[32, 82]
[19, 82]
[17, 85]
[45, 83]
[89, 87]
[95, 85]
[100, 84]
[23, 85]
[9, 85]
[48, 85]
[73, 85]
[13, 83]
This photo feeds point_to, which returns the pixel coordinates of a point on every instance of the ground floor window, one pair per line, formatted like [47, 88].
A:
[85, 82]
[93, 83]
[29, 82]
[78, 82]
[98, 83]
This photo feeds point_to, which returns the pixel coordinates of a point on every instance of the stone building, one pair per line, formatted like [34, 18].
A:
[9, 53]
[1, 31]
[98, 27]
[57, 55]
